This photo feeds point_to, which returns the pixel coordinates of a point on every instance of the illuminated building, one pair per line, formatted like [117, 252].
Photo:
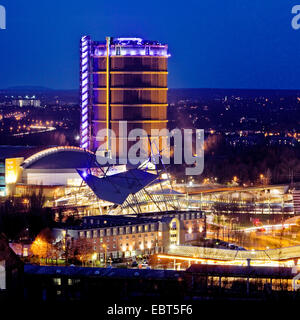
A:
[27, 102]
[122, 79]
[134, 235]
[279, 257]
[25, 169]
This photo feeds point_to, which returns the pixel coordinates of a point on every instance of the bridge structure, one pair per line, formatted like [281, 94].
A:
[265, 199]
[286, 256]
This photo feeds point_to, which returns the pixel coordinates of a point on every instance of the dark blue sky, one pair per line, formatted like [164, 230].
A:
[214, 43]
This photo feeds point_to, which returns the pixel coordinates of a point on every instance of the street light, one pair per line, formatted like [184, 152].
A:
[94, 257]
[105, 253]
[149, 246]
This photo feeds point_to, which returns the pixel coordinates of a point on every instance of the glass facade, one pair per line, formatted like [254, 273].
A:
[128, 84]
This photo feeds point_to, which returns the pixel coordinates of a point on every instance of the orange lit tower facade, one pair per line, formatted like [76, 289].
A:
[122, 79]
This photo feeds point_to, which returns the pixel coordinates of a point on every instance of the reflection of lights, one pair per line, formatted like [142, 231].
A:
[231, 262]
[11, 178]
[271, 226]
[94, 256]
[275, 191]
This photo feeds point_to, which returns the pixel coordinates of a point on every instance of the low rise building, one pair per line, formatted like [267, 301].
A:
[134, 235]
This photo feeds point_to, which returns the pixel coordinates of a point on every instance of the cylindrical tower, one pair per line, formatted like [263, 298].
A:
[128, 83]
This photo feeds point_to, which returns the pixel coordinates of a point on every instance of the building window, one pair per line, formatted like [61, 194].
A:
[25, 252]
[73, 281]
[95, 234]
[57, 281]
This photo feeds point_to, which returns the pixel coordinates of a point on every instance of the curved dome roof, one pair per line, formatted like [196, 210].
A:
[61, 158]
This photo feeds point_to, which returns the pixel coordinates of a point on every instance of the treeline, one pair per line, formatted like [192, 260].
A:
[24, 217]
[277, 164]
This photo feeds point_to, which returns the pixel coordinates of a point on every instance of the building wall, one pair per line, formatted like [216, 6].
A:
[145, 238]
[132, 83]
[50, 178]
[138, 94]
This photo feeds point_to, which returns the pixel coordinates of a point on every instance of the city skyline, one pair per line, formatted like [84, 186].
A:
[242, 45]
[105, 196]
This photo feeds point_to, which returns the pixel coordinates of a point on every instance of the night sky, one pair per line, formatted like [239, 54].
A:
[213, 43]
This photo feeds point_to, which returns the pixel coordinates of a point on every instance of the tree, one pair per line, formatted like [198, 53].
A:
[82, 249]
[43, 245]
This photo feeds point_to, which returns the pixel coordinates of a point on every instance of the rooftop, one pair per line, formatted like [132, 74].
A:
[238, 271]
[131, 47]
[108, 221]
[60, 158]
[102, 272]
